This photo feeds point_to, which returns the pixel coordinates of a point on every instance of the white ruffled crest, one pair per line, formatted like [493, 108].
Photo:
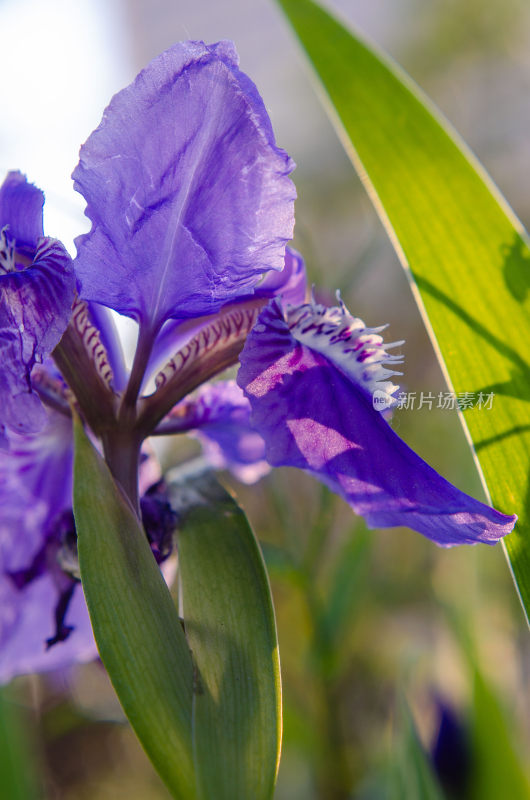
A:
[358, 351]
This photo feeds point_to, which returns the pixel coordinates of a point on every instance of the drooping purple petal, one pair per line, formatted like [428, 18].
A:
[35, 487]
[218, 415]
[44, 622]
[313, 415]
[21, 210]
[35, 606]
[35, 306]
[27, 620]
[188, 194]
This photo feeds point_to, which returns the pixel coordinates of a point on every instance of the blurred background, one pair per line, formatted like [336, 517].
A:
[396, 655]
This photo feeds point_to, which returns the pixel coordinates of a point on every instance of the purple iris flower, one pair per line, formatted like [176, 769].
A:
[36, 294]
[191, 207]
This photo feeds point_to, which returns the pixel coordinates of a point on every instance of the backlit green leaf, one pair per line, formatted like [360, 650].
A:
[449, 225]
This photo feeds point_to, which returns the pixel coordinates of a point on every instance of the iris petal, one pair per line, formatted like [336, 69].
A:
[21, 210]
[27, 619]
[35, 489]
[188, 194]
[314, 417]
[35, 306]
[218, 414]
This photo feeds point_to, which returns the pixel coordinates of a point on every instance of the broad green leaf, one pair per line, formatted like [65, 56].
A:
[230, 627]
[136, 626]
[451, 228]
[17, 761]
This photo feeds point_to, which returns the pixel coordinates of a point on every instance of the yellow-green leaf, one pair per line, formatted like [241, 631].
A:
[465, 249]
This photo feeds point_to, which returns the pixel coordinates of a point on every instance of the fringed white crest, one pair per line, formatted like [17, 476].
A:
[91, 339]
[223, 331]
[360, 352]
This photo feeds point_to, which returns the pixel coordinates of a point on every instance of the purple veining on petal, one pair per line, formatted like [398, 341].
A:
[290, 284]
[313, 416]
[357, 350]
[188, 194]
[108, 335]
[218, 414]
[35, 307]
[21, 210]
[82, 322]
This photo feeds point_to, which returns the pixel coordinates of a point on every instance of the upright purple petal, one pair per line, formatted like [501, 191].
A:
[35, 306]
[27, 621]
[218, 414]
[315, 415]
[21, 210]
[188, 194]
[290, 284]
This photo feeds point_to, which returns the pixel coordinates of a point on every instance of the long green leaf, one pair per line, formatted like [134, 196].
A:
[231, 631]
[464, 247]
[136, 626]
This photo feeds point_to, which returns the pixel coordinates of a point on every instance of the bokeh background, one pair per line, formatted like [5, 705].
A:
[376, 628]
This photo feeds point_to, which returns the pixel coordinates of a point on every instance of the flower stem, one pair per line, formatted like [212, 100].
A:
[122, 454]
[146, 338]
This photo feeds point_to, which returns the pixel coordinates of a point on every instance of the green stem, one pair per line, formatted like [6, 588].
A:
[122, 454]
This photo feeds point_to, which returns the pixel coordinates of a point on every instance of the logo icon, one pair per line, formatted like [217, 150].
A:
[380, 400]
